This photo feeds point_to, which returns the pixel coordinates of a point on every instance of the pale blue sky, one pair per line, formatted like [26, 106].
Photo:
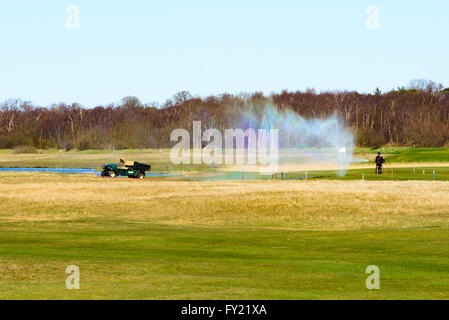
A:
[153, 49]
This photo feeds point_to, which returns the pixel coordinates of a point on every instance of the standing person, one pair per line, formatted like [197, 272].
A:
[379, 162]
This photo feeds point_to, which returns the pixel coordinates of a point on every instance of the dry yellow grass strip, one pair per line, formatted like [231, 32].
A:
[305, 205]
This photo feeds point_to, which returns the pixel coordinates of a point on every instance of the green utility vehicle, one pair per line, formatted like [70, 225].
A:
[132, 169]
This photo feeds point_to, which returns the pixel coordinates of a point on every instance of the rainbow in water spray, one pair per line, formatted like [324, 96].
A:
[312, 141]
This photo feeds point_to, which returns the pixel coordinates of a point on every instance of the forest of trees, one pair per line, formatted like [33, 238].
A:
[414, 116]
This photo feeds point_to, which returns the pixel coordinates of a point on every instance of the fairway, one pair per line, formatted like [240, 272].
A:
[157, 239]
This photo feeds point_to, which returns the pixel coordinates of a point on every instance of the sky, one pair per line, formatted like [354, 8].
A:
[96, 52]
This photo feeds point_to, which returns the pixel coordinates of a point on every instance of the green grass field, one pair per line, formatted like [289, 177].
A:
[224, 239]
[144, 260]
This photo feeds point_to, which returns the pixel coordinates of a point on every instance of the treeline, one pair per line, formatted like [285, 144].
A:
[416, 116]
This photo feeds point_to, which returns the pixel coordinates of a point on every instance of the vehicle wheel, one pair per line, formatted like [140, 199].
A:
[112, 174]
[103, 173]
[140, 175]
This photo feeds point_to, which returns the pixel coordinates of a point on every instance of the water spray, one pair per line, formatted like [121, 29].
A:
[322, 142]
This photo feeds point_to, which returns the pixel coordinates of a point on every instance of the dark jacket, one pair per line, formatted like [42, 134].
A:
[379, 160]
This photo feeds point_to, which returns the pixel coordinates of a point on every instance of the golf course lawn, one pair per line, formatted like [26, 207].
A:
[134, 239]
[145, 261]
